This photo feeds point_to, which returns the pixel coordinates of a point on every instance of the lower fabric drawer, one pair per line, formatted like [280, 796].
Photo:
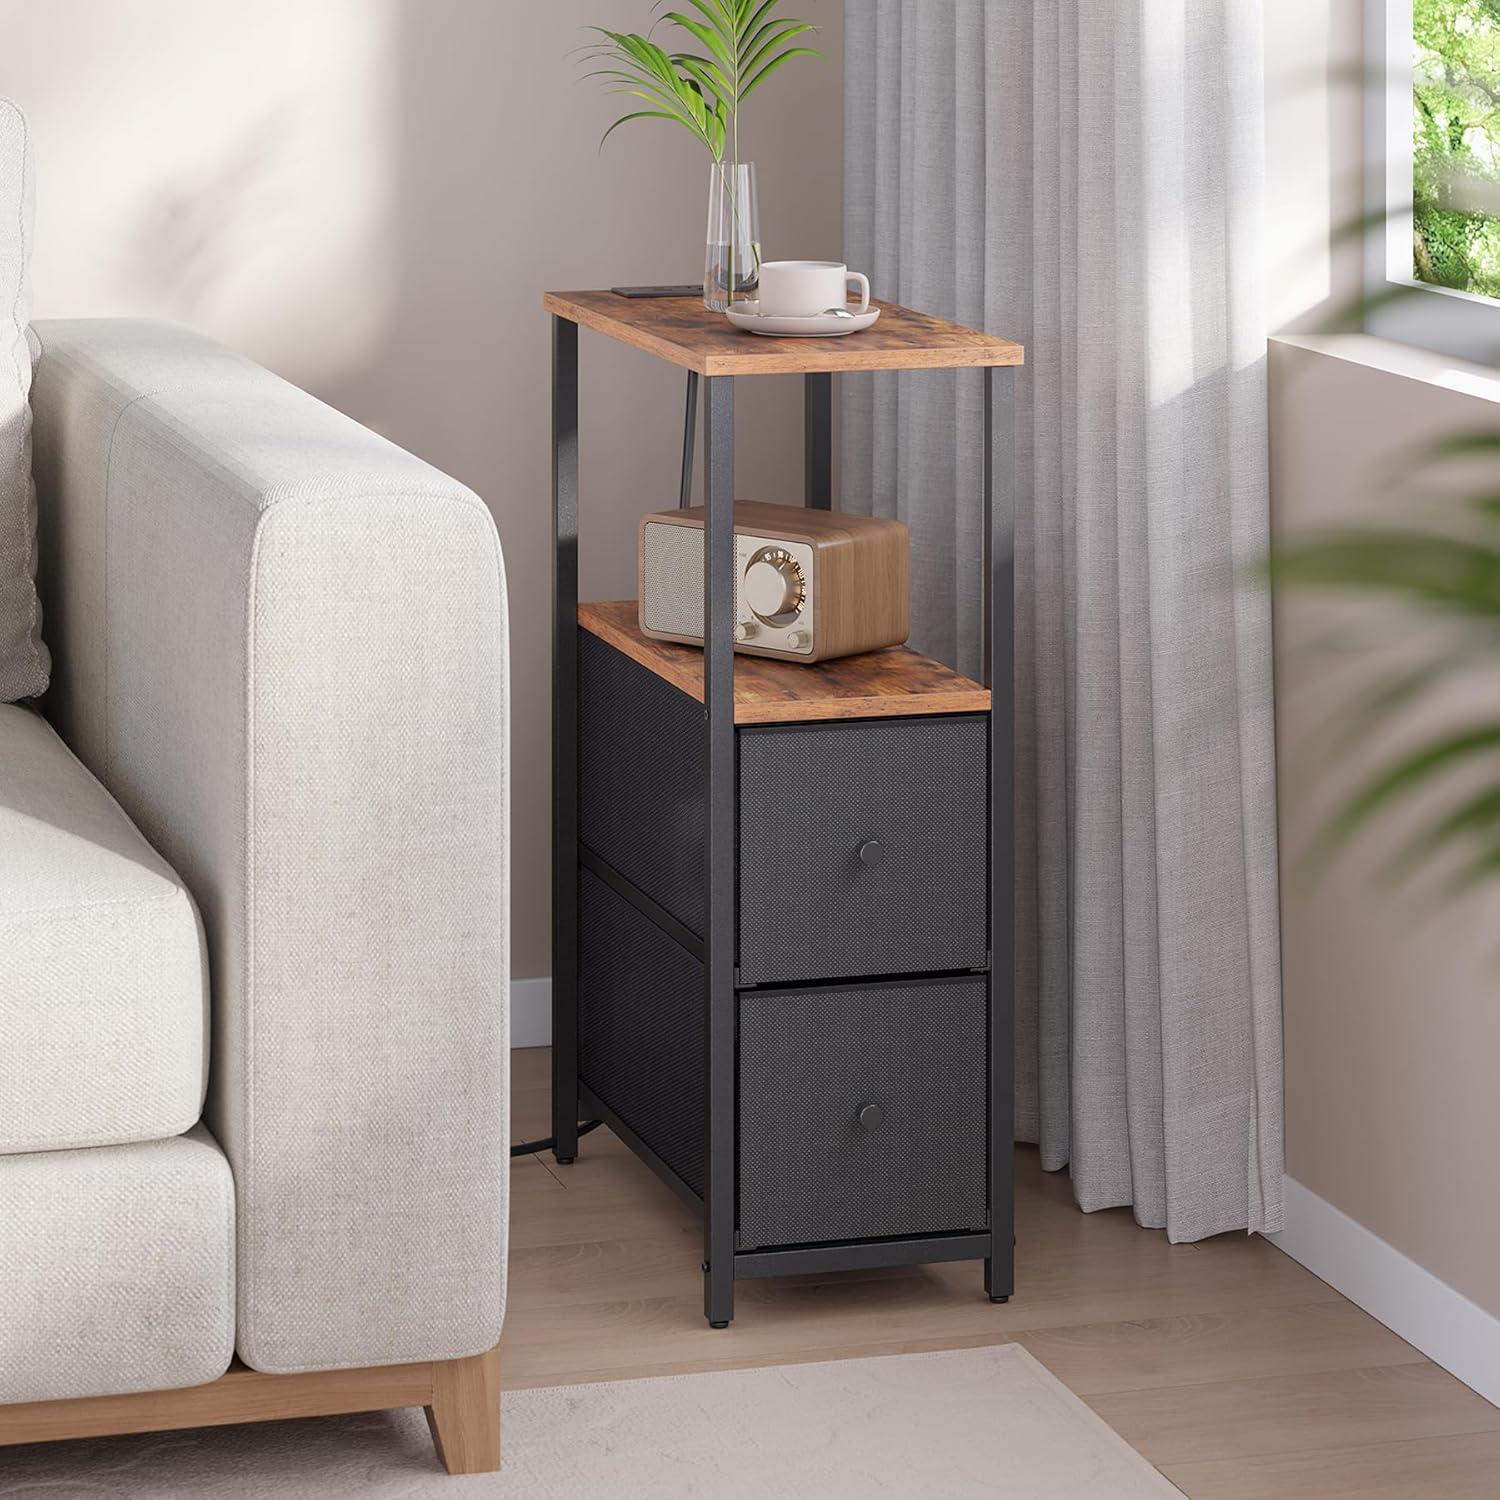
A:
[862, 1111]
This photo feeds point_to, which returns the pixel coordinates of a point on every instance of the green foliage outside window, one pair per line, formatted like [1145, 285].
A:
[1456, 143]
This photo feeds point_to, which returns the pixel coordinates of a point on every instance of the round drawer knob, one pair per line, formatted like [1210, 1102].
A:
[871, 852]
[870, 1116]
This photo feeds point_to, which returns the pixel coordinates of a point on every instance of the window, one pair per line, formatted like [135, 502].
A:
[1433, 140]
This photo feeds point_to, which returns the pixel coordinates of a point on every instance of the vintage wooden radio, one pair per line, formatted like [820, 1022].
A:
[809, 584]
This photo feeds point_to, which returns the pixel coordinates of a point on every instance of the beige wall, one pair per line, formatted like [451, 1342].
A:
[1392, 1008]
[370, 196]
[1392, 1013]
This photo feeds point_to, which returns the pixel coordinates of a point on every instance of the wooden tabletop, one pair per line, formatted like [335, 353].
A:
[874, 685]
[684, 331]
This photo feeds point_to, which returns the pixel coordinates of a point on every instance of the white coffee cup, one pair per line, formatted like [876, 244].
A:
[805, 288]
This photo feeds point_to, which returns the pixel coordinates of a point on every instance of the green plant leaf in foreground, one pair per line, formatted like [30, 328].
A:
[1440, 588]
[1446, 572]
[1406, 775]
[1475, 817]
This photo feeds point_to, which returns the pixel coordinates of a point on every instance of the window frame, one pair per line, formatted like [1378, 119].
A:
[1460, 324]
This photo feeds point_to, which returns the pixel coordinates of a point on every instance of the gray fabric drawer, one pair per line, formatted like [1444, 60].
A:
[811, 796]
[810, 1060]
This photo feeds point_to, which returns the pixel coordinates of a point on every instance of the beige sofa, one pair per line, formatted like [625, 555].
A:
[253, 908]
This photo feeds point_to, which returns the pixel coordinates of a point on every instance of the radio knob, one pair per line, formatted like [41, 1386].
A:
[745, 629]
[797, 639]
[773, 585]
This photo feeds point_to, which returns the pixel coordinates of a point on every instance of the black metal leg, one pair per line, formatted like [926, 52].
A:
[817, 433]
[565, 739]
[689, 433]
[999, 676]
[718, 659]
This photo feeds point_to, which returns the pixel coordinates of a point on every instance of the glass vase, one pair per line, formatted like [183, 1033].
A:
[731, 266]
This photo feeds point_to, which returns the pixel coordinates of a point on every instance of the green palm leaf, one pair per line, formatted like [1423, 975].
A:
[774, 64]
[640, 114]
[755, 27]
[680, 103]
[714, 13]
[756, 50]
[722, 48]
[737, 45]
[706, 74]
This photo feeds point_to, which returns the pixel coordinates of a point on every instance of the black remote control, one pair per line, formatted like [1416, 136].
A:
[657, 291]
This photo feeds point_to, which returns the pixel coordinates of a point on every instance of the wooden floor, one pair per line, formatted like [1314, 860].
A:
[1230, 1367]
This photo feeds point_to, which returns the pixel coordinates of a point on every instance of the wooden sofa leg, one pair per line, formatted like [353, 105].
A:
[465, 1413]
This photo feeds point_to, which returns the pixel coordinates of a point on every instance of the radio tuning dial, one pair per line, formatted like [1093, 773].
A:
[774, 587]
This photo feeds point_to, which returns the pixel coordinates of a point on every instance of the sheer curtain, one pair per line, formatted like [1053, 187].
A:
[1085, 176]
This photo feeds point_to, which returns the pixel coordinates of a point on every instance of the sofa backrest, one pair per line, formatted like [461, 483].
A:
[23, 659]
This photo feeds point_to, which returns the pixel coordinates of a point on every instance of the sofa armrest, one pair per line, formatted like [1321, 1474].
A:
[281, 642]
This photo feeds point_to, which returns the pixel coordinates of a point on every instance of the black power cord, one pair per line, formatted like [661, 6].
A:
[527, 1147]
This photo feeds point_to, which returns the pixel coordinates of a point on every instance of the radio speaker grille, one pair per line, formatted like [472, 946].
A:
[672, 586]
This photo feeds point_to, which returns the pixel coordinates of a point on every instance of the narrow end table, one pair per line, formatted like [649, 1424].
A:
[782, 894]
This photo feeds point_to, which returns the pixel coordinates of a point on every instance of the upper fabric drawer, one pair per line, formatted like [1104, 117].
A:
[863, 849]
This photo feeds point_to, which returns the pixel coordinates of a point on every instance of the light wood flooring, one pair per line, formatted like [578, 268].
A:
[1232, 1369]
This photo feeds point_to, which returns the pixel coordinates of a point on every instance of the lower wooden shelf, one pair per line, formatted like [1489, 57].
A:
[875, 685]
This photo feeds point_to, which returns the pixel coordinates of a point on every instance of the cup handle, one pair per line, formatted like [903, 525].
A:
[864, 288]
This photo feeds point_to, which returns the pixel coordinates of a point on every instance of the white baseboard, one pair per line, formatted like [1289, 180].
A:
[531, 1012]
[1449, 1329]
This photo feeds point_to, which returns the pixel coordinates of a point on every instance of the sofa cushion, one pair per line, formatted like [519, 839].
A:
[103, 997]
[118, 1270]
[23, 658]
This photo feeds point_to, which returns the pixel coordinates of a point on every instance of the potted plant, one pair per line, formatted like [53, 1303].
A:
[736, 46]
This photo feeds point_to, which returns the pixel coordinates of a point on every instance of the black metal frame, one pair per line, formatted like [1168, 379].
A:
[817, 440]
[723, 790]
[565, 739]
[799, 1260]
[999, 676]
[722, 1265]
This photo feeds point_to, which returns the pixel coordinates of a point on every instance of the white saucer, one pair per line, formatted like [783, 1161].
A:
[747, 315]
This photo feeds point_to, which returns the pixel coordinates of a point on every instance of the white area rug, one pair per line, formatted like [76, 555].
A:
[975, 1422]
